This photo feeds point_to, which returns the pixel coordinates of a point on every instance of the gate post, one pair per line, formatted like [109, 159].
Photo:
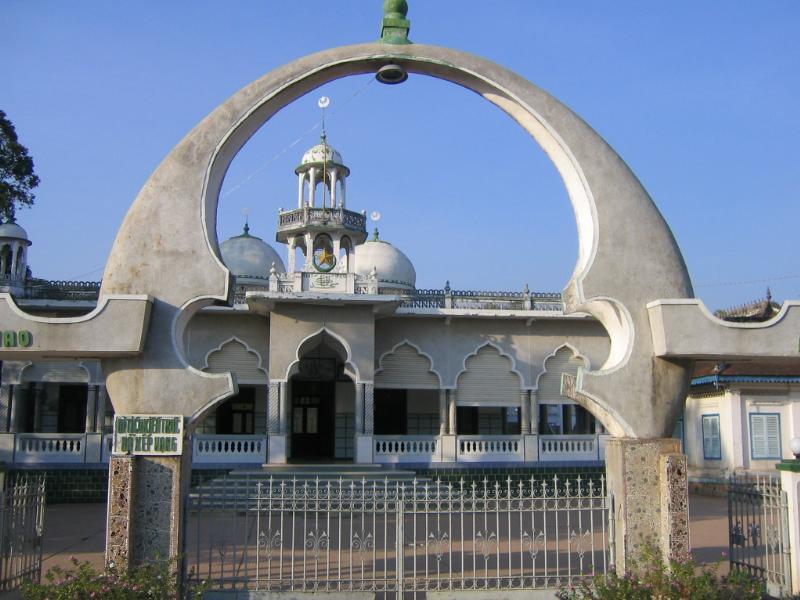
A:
[648, 480]
[790, 484]
[145, 508]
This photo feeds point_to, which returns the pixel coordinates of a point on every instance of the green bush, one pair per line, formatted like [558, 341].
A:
[83, 582]
[650, 578]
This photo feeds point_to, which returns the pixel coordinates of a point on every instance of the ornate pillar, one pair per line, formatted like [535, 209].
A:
[344, 179]
[102, 398]
[91, 407]
[369, 408]
[442, 412]
[534, 414]
[359, 408]
[5, 407]
[39, 396]
[273, 407]
[17, 409]
[525, 411]
[333, 174]
[284, 409]
[277, 447]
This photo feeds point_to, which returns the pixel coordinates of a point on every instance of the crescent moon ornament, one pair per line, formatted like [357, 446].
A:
[323, 102]
[375, 215]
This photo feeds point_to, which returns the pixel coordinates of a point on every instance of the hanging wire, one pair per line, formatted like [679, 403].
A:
[316, 126]
[751, 281]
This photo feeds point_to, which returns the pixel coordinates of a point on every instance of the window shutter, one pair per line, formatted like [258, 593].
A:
[765, 435]
[712, 447]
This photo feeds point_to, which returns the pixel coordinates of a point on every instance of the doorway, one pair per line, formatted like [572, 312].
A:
[313, 404]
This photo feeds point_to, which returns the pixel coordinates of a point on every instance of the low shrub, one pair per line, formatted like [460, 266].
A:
[649, 578]
[82, 581]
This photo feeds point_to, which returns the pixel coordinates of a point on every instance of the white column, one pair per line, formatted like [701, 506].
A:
[312, 188]
[17, 410]
[102, 398]
[525, 411]
[359, 408]
[291, 256]
[300, 179]
[284, 416]
[333, 174]
[442, 412]
[735, 430]
[14, 247]
[369, 408]
[535, 414]
[451, 414]
[91, 407]
[344, 205]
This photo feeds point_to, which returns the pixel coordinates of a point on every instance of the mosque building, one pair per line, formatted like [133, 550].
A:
[337, 355]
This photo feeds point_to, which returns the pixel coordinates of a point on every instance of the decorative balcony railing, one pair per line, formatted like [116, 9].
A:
[302, 217]
[490, 448]
[62, 290]
[407, 448]
[50, 448]
[569, 447]
[229, 449]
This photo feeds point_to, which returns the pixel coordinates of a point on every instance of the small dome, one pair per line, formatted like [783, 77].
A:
[249, 256]
[12, 230]
[322, 152]
[393, 267]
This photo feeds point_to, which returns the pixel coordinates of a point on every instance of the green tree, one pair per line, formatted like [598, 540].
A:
[17, 178]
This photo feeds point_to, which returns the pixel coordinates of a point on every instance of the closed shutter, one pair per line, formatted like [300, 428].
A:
[234, 357]
[405, 368]
[549, 390]
[712, 448]
[765, 435]
[488, 381]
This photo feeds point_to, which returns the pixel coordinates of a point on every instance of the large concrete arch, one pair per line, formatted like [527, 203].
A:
[167, 245]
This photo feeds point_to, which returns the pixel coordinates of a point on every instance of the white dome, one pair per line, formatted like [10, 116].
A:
[322, 152]
[393, 267]
[12, 230]
[249, 256]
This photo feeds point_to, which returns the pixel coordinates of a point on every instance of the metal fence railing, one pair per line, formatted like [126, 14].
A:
[21, 530]
[758, 525]
[400, 538]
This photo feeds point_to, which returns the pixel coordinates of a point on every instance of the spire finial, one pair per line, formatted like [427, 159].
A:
[375, 236]
[323, 103]
[246, 228]
[395, 26]
[769, 295]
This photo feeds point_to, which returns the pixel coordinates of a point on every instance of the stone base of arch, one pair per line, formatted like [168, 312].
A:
[145, 508]
[649, 484]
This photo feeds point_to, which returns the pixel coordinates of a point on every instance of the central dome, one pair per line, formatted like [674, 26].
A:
[394, 269]
[249, 256]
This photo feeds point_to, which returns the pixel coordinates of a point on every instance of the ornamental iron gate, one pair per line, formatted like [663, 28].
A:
[758, 522]
[21, 530]
[400, 538]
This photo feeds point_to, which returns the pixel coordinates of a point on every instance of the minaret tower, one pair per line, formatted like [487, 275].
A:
[321, 226]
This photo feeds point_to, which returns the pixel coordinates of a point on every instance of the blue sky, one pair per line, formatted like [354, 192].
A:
[699, 98]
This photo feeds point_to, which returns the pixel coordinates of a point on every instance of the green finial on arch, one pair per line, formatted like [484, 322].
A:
[395, 26]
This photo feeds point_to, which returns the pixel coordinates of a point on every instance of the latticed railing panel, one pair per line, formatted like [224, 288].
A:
[21, 530]
[759, 529]
[394, 536]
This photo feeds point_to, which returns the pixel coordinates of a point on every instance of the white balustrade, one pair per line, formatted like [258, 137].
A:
[407, 449]
[40, 448]
[490, 448]
[568, 447]
[229, 449]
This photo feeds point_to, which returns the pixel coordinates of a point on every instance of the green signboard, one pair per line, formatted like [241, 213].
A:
[148, 435]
